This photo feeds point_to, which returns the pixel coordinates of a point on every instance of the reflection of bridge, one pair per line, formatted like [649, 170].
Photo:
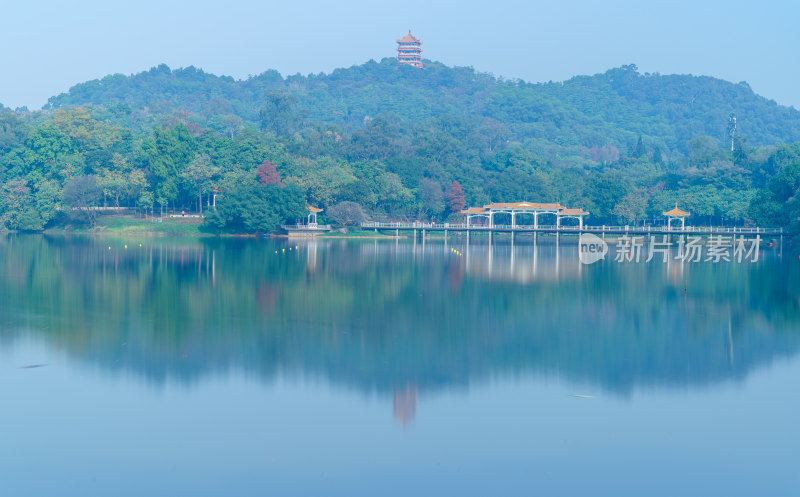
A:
[424, 228]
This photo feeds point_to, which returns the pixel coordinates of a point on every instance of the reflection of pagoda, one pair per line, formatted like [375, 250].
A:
[409, 50]
[405, 404]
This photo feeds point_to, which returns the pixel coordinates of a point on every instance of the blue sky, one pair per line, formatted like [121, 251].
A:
[48, 46]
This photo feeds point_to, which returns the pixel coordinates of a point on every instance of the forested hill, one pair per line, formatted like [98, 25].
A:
[400, 143]
[615, 107]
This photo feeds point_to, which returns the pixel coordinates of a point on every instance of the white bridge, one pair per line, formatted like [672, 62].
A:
[512, 211]
[574, 230]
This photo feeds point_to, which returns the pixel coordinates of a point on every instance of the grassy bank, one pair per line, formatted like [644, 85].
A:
[121, 225]
[125, 225]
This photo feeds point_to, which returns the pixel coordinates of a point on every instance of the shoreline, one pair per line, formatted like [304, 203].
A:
[167, 234]
[161, 234]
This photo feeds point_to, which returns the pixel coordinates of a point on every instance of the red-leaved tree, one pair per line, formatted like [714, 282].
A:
[268, 174]
[455, 197]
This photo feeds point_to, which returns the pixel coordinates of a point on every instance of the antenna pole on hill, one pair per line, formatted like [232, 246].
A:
[732, 127]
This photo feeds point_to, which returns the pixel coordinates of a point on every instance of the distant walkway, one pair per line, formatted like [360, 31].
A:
[574, 230]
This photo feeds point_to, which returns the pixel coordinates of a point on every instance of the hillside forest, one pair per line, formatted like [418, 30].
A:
[390, 142]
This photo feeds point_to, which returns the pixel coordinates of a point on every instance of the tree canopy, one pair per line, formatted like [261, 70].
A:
[401, 143]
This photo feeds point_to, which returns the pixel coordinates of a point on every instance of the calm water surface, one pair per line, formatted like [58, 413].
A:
[328, 367]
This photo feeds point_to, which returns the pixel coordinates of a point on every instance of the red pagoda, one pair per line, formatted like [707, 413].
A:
[409, 50]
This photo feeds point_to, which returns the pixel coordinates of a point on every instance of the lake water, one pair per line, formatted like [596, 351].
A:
[361, 367]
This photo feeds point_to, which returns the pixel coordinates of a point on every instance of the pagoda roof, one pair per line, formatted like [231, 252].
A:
[573, 212]
[409, 38]
[675, 212]
[313, 209]
[474, 210]
[523, 206]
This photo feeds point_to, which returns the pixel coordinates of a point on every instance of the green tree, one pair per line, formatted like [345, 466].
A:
[168, 153]
[81, 196]
[16, 201]
[199, 173]
[324, 178]
[393, 195]
[145, 200]
[347, 214]
[658, 155]
[605, 191]
[640, 150]
[431, 198]
[279, 114]
[48, 200]
[631, 207]
[256, 208]
[113, 184]
[703, 150]
[779, 203]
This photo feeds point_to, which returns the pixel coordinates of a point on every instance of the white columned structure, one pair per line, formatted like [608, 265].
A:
[572, 214]
[514, 209]
[474, 212]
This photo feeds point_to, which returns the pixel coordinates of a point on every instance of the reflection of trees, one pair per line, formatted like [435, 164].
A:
[379, 317]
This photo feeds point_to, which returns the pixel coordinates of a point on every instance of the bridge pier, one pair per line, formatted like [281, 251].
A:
[397, 233]
[490, 236]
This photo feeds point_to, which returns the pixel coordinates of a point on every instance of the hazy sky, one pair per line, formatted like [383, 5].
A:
[48, 46]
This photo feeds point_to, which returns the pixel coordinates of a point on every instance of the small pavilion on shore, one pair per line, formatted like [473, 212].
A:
[676, 213]
[310, 227]
[311, 220]
[523, 208]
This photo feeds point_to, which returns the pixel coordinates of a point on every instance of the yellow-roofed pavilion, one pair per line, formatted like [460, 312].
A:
[312, 214]
[676, 213]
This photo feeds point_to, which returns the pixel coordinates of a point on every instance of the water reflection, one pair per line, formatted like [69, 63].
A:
[405, 404]
[396, 318]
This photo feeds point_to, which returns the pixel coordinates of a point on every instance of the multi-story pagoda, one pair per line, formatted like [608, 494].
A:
[409, 50]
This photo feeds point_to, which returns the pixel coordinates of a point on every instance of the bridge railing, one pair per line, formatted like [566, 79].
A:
[689, 229]
[405, 225]
[736, 230]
